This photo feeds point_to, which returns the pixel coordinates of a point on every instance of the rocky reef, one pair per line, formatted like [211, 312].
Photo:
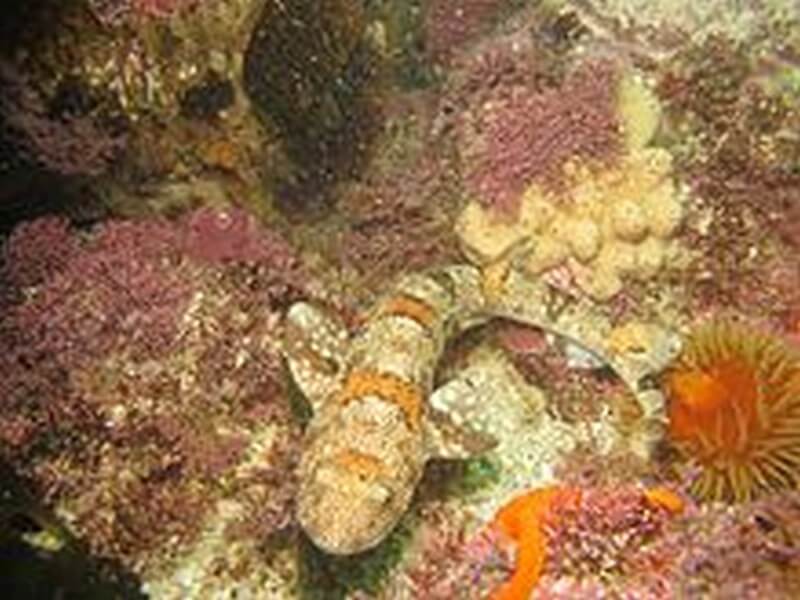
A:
[563, 233]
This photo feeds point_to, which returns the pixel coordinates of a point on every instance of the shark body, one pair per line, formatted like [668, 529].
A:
[378, 417]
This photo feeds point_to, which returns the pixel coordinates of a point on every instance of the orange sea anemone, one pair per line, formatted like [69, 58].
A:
[734, 411]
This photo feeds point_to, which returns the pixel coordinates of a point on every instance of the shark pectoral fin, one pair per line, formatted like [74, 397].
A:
[447, 440]
[451, 427]
[315, 347]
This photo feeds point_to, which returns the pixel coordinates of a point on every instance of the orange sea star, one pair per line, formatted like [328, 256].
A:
[522, 522]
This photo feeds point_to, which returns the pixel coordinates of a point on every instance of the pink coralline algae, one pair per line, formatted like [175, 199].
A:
[749, 551]
[134, 378]
[617, 546]
[608, 535]
[499, 62]
[449, 26]
[114, 12]
[519, 135]
[161, 8]
[400, 222]
[38, 250]
[452, 564]
[229, 237]
[71, 145]
[113, 291]
[215, 236]
[120, 289]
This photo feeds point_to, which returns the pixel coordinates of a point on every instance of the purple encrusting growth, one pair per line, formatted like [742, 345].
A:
[520, 135]
[136, 370]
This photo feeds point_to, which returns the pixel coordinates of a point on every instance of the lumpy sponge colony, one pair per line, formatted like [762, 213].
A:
[606, 222]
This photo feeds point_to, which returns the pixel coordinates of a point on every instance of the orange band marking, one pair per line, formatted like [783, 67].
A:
[366, 466]
[408, 306]
[390, 388]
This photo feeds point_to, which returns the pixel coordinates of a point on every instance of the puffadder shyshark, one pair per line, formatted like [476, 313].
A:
[377, 416]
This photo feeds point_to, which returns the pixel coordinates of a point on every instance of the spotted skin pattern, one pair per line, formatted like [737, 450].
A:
[377, 418]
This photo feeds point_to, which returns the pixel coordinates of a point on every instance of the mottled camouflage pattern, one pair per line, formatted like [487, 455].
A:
[375, 425]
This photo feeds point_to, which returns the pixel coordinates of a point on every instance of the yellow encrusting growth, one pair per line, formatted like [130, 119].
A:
[638, 109]
[606, 222]
[406, 396]
[734, 410]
